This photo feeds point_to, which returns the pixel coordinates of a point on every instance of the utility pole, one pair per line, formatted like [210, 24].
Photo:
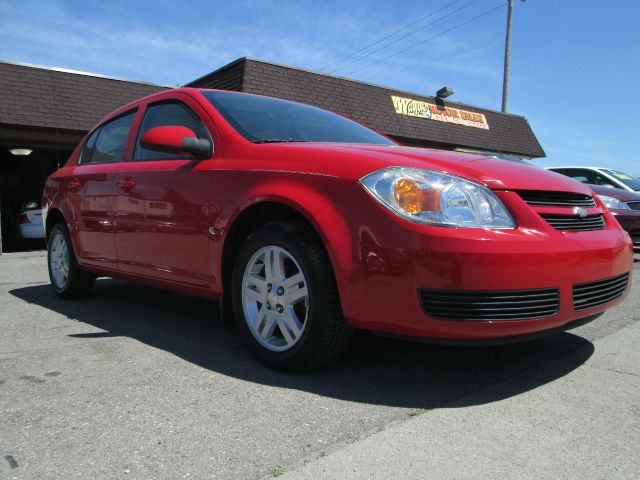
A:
[507, 55]
[0, 225]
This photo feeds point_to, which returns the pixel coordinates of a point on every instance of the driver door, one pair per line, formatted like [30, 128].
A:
[162, 204]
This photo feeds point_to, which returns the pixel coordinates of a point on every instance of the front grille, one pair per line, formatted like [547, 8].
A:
[488, 305]
[634, 205]
[571, 222]
[592, 294]
[556, 199]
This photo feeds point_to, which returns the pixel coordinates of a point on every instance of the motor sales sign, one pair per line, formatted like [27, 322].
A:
[431, 111]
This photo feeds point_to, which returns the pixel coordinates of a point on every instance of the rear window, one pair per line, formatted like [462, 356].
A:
[265, 120]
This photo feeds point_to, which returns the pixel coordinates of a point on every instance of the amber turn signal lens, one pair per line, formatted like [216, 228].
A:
[407, 194]
[411, 198]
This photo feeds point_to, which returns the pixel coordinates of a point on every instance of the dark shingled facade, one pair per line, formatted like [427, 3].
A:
[68, 101]
[372, 106]
[43, 99]
[49, 111]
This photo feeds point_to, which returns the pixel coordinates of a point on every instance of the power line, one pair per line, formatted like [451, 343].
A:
[428, 39]
[391, 34]
[437, 20]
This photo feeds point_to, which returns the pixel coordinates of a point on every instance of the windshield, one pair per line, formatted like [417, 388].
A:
[628, 180]
[267, 120]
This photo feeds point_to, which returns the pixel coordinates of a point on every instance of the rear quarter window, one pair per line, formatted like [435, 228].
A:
[107, 143]
[87, 151]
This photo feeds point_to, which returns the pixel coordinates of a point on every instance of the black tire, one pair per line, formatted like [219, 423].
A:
[78, 283]
[325, 334]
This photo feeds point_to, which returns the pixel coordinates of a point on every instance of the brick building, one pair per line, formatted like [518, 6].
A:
[378, 107]
[48, 111]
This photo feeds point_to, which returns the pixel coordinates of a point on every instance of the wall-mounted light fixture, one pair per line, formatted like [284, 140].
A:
[20, 152]
[444, 92]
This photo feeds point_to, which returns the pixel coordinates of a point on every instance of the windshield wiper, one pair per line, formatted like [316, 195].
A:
[279, 140]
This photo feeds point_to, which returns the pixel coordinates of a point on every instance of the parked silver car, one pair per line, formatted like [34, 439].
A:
[605, 177]
[30, 222]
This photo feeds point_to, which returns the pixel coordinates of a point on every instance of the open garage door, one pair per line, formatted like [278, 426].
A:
[24, 168]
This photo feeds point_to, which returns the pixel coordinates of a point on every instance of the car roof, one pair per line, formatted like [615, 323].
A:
[579, 166]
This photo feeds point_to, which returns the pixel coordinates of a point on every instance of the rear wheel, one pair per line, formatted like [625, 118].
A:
[68, 280]
[285, 299]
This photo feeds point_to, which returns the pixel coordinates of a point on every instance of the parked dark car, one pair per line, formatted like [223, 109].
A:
[625, 207]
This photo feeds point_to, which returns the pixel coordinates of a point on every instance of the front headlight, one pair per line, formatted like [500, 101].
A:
[613, 203]
[434, 198]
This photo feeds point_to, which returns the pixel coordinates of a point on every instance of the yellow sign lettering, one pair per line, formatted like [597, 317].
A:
[416, 108]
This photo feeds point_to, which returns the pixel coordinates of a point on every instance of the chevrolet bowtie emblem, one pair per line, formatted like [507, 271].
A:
[580, 212]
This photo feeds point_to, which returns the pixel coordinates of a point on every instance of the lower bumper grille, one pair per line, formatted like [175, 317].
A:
[592, 294]
[570, 222]
[481, 305]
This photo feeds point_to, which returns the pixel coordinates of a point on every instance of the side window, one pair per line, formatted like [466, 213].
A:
[584, 176]
[110, 140]
[166, 114]
[604, 181]
[87, 151]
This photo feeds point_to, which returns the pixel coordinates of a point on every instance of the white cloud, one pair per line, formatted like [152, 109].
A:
[296, 33]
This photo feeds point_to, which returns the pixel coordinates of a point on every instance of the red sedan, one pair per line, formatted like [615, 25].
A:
[307, 225]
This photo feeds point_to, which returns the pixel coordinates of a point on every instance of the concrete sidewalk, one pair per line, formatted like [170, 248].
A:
[585, 424]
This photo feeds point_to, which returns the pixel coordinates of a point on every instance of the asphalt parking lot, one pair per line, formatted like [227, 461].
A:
[135, 382]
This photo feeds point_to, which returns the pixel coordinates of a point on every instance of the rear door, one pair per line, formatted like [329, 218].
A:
[90, 190]
[162, 202]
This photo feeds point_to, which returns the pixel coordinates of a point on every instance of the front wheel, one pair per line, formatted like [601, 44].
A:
[68, 280]
[285, 298]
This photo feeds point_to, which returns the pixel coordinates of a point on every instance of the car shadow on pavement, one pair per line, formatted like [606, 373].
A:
[374, 370]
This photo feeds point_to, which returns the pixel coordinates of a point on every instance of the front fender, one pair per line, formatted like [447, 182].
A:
[306, 193]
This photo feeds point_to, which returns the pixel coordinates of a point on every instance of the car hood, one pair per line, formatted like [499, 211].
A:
[356, 160]
[622, 195]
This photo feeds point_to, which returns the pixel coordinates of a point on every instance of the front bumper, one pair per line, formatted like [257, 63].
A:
[382, 262]
[487, 342]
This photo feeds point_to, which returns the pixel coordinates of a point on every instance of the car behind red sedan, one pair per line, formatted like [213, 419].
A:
[307, 225]
[625, 207]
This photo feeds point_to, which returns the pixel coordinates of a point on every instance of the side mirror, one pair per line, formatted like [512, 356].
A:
[175, 139]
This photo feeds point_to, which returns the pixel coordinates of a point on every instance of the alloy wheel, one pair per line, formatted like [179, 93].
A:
[59, 261]
[275, 298]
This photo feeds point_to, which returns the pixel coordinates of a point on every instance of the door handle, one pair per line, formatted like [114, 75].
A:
[73, 185]
[126, 183]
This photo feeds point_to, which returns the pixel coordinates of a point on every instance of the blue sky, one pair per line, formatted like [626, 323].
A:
[575, 64]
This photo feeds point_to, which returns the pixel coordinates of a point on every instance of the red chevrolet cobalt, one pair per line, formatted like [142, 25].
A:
[307, 225]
